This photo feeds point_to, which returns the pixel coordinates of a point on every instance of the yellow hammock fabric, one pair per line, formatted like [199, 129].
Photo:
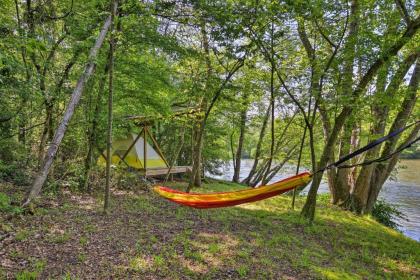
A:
[224, 199]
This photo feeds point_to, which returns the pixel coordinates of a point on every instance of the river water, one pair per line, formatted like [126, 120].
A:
[403, 192]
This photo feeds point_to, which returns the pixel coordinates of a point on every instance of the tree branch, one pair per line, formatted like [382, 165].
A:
[403, 11]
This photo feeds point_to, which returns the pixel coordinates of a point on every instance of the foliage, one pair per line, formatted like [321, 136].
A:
[411, 153]
[6, 207]
[387, 214]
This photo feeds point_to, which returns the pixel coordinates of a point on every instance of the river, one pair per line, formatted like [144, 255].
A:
[403, 192]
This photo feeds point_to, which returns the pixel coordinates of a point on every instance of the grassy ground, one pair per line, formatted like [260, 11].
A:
[145, 237]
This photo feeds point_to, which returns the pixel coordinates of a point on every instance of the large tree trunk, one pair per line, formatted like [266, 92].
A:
[238, 156]
[195, 179]
[74, 101]
[360, 197]
[378, 129]
[340, 189]
[365, 195]
[308, 210]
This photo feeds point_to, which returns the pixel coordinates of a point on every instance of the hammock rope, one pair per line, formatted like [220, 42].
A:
[369, 146]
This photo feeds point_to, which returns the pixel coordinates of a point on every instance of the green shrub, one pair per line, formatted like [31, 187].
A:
[27, 275]
[13, 162]
[387, 214]
[13, 173]
[5, 205]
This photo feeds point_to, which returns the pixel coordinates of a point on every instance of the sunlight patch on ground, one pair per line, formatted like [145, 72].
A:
[396, 265]
[193, 266]
[56, 229]
[250, 206]
[334, 274]
[214, 248]
[220, 238]
[140, 263]
[84, 202]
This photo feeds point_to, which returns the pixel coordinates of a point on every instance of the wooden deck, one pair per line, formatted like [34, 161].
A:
[164, 171]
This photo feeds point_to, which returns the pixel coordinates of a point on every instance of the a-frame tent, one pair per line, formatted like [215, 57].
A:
[134, 151]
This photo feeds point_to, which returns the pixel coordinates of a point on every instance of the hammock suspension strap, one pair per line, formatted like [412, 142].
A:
[369, 146]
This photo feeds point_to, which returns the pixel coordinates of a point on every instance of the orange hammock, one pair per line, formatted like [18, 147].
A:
[224, 199]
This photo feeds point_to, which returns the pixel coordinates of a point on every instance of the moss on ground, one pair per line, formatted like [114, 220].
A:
[146, 237]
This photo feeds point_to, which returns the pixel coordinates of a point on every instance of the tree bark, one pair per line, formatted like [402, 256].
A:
[251, 174]
[366, 202]
[197, 172]
[308, 210]
[273, 172]
[110, 104]
[380, 113]
[85, 184]
[238, 156]
[195, 179]
[272, 104]
[62, 128]
[23, 118]
[340, 189]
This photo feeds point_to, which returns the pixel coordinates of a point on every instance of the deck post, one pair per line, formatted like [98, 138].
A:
[157, 147]
[132, 144]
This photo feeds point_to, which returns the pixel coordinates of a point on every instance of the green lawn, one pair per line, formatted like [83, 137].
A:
[146, 237]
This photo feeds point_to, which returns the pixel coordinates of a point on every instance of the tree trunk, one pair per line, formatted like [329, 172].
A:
[176, 154]
[377, 130]
[272, 103]
[207, 107]
[251, 174]
[238, 156]
[46, 131]
[62, 128]
[110, 104]
[372, 178]
[278, 167]
[85, 184]
[232, 150]
[340, 189]
[382, 171]
[308, 210]
[23, 119]
[259, 174]
[195, 179]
